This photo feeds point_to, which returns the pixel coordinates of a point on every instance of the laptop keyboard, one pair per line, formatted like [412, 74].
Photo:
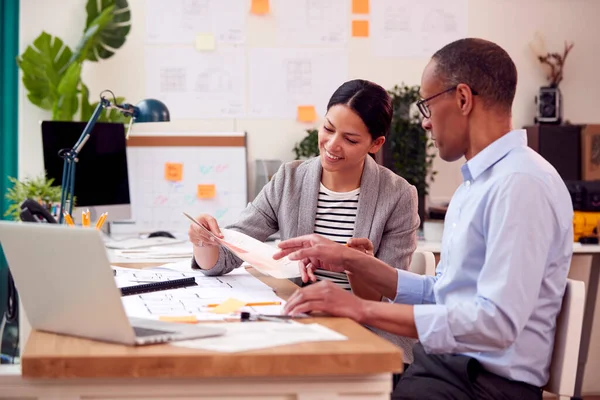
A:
[142, 332]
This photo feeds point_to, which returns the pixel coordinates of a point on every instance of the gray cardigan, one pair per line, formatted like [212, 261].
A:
[387, 212]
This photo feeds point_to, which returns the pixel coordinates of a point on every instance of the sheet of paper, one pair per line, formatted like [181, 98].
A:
[196, 84]
[179, 21]
[205, 42]
[194, 301]
[312, 22]
[247, 336]
[405, 28]
[280, 80]
[259, 255]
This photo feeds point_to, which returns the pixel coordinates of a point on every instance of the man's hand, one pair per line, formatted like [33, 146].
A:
[328, 298]
[314, 252]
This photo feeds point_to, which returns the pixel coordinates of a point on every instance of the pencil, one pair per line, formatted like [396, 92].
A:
[68, 219]
[256, 304]
[101, 220]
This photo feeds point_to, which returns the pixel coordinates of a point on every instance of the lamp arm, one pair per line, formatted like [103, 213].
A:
[85, 135]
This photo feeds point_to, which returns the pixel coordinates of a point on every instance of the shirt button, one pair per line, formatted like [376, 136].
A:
[467, 183]
[454, 224]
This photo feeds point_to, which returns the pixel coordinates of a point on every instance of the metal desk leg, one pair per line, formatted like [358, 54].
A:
[588, 322]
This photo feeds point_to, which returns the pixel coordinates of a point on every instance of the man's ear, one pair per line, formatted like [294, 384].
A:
[464, 98]
[376, 145]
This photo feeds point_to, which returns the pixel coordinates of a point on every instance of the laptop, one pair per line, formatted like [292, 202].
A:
[67, 286]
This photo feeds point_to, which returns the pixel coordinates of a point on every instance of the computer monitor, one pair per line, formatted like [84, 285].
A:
[101, 178]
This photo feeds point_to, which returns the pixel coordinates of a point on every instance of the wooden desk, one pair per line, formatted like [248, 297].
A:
[63, 367]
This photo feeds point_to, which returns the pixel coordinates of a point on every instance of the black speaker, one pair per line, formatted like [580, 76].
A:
[548, 106]
[560, 145]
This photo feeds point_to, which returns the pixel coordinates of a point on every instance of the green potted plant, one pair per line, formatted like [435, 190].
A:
[408, 151]
[38, 188]
[309, 146]
[52, 71]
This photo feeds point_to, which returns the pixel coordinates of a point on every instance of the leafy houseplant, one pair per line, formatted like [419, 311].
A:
[52, 71]
[408, 151]
[309, 146]
[39, 189]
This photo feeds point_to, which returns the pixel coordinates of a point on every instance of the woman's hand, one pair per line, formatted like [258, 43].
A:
[361, 244]
[199, 237]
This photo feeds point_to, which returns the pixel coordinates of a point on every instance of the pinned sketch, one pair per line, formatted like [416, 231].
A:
[178, 21]
[312, 22]
[282, 79]
[404, 28]
[197, 84]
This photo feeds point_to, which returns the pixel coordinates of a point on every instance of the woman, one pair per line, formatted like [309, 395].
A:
[343, 194]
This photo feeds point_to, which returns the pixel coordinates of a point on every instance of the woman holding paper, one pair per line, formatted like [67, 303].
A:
[343, 194]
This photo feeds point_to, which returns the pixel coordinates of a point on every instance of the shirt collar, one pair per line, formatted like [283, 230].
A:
[493, 153]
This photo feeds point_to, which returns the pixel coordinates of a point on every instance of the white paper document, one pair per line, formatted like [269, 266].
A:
[246, 336]
[280, 80]
[195, 84]
[405, 28]
[195, 300]
[180, 21]
[259, 255]
[312, 22]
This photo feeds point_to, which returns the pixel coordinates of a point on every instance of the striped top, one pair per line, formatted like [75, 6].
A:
[336, 214]
[335, 220]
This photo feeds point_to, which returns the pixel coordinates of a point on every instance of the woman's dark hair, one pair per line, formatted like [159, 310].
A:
[370, 101]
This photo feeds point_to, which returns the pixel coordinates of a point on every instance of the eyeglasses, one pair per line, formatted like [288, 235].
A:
[422, 104]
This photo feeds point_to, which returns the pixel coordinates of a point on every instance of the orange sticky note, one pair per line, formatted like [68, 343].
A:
[228, 306]
[207, 191]
[307, 114]
[174, 172]
[260, 7]
[184, 319]
[360, 28]
[360, 6]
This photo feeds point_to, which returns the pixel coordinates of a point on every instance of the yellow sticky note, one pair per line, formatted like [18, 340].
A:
[174, 172]
[260, 7]
[360, 28]
[307, 114]
[228, 306]
[184, 319]
[207, 191]
[205, 42]
[360, 6]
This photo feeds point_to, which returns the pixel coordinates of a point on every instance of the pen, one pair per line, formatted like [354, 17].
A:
[256, 304]
[68, 219]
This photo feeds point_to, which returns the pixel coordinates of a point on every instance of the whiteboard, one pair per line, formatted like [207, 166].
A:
[192, 173]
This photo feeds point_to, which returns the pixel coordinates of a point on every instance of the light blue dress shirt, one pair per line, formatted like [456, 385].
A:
[506, 251]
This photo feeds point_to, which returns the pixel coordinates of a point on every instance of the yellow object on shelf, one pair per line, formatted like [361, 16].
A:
[585, 223]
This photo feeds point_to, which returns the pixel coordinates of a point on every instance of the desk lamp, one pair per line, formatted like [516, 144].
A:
[149, 110]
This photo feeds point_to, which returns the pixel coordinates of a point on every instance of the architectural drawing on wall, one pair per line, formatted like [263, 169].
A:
[312, 22]
[197, 85]
[179, 21]
[280, 80]
[404, 28]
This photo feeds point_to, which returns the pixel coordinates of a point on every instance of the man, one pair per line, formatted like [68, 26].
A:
[486, 321]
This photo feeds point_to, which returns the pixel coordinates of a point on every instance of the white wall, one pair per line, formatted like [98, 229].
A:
[510, 23]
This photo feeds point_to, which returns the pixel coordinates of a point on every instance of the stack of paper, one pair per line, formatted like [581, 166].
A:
[246, 336]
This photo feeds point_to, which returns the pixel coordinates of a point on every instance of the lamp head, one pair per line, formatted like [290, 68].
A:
[151, 110]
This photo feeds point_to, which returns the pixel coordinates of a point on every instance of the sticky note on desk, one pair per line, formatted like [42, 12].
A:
[205, 42]
[174, 172]
[360, 6]
[260, 7]
[307, 114]
[360, 28]
[228, 306]
[184, 319]
[206, 191]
